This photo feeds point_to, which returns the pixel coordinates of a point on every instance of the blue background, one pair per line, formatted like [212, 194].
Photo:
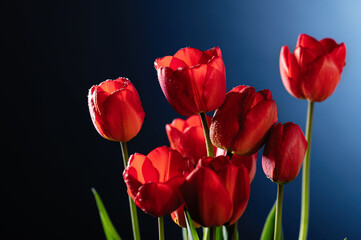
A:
[55, 51]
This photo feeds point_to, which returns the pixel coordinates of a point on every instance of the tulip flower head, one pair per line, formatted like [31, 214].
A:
[187, 137]
[193, 81]
[115, 109]
[284, 151]
[243, 121]
[314, 69]
[154, 180]
[216, 192]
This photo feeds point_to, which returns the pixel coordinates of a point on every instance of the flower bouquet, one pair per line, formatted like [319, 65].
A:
[203, 179]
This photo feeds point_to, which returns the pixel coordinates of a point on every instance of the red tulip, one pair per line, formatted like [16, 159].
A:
[284, 152]
[154, 180]
[115, 109]
[314, 69]
[193, 81]
[243, 121]
[250, 162]
[216, 192]
[187, 137]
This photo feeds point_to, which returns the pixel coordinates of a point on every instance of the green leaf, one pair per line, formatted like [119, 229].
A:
[109, 230]
[192, 233]
[268, 228]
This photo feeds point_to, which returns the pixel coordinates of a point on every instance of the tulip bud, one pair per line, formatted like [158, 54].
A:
[193, 81]
[314, 69]
[115, 109]
[243, 121]
[284, 151]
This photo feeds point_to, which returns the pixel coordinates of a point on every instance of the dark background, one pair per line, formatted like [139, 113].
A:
[54, 51]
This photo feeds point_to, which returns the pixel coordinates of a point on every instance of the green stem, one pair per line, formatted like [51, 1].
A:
[214, 233]
[278, 217]
[232, 231]
[205, 126]
[206, 233]
[133, 208]
[305, 205]
[161, 228]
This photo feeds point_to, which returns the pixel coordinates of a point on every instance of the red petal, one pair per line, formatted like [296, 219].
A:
[254, 127]
[178, 90]
[191, 56]
[289, 70]
[158, 199]
[321, 79]
[292, 152]
[192, 143]
[329, 44]
[168, 162]
[206, 199]
[250, 162]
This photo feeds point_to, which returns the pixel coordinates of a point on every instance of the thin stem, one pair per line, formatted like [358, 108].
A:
[206, 233]
[214, 232]
[205, 126]
[161, 228]
[305, 205]
[133, 208]
[278, 217]
[232, 232]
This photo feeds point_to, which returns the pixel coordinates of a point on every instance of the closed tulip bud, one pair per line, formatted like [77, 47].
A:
[193, 81]
[216, 192]
[154, 180]
[243, 121]
[187, 137]
[314, 69]
[284, 151]
[115, 109]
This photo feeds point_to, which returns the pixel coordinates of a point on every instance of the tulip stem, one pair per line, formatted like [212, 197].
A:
[215, 233]
[232, 231]
[161, 228]
[305, 206]
[205, 126]
[133, 208]
[278, 217]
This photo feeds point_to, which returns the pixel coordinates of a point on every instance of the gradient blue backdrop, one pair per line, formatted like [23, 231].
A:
[57, 50]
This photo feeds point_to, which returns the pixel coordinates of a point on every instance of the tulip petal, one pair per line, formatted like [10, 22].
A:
[124, 115]
[293, 147]
[254, 128]
[174, 136]
[168, 162]
[205, 197]
[226, 120]
[191, 56]
[236, 181]
[158, 199]
[250, 162]
[321, 79]
[177, 89]
[192, 144]
[289, 70]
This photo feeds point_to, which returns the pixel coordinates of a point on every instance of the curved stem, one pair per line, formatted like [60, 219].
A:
[133, 208]
[306, 177]
[161, 228]
[278, 217]
[205, 126]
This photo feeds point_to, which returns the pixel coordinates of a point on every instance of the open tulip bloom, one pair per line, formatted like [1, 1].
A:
[204, 177]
